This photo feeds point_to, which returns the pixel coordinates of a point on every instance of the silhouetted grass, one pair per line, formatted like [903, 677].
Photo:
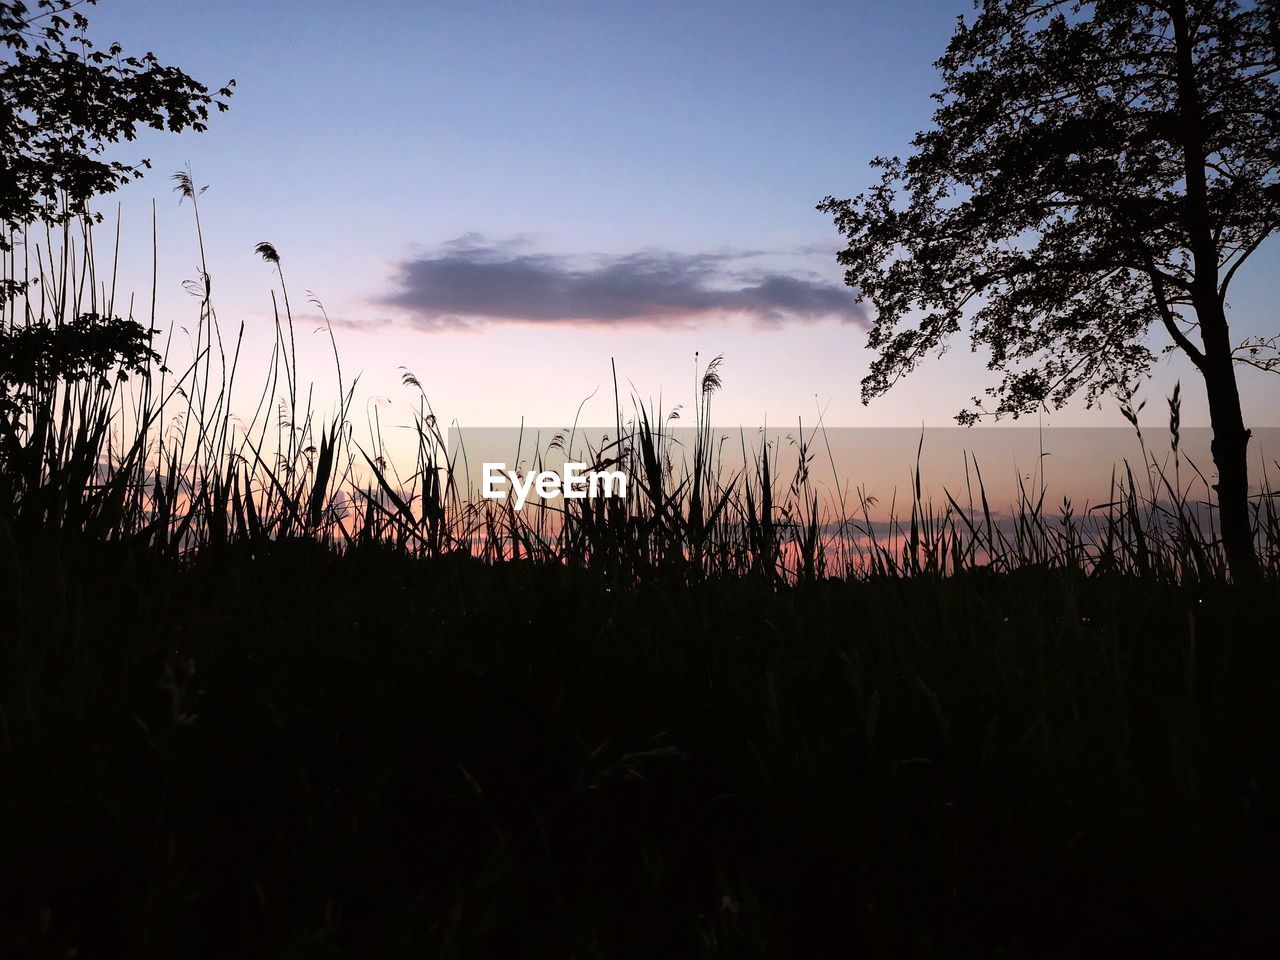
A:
[165, 461]
[303, 752]
[263, 695]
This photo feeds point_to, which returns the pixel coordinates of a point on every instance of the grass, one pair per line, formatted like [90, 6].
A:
[305, 751]
[263, 695]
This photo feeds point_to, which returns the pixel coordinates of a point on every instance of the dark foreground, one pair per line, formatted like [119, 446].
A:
[303, 755]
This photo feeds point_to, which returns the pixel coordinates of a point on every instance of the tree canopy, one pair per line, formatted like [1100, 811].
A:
[63, 100]
[1093, 169]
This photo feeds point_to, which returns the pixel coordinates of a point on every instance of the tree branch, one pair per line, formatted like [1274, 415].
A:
[1245, 253]
[1170, 321]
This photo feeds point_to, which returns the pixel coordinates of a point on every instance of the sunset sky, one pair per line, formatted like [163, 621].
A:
[502, 197]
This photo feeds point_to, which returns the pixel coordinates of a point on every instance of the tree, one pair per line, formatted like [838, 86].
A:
[63, 100]
[1093, 169]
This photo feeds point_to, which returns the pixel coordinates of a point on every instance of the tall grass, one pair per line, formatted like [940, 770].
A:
[110, 434]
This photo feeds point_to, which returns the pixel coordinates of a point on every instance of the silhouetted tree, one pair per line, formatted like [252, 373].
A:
[63, 100]
[1093, 168]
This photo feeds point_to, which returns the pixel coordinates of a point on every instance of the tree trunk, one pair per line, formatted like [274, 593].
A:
[1230, 443]
[1230, 438]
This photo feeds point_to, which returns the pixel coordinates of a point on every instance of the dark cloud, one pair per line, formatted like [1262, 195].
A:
[472, 281]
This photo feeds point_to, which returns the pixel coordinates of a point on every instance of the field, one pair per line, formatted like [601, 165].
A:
[263, 695]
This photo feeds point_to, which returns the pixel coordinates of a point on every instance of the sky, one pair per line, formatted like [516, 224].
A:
[507, 199]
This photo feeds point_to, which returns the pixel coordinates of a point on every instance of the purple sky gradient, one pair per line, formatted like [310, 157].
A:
[503, 197]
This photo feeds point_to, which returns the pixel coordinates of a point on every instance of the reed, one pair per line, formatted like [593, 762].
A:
[108, 435]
